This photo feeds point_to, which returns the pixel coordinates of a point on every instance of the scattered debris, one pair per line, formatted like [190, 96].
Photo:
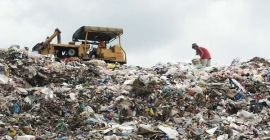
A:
[41, 98]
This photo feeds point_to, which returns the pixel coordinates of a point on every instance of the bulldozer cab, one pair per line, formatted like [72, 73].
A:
[101, 41]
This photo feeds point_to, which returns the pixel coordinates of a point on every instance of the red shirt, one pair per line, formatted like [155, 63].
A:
[102, 44]
[204, 53]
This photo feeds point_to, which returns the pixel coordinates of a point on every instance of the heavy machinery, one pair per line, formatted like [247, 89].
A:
[87, 42]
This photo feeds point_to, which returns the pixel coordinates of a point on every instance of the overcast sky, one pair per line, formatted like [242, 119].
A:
[154, 30]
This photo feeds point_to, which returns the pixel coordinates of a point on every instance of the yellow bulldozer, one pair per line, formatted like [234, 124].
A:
[88, 42]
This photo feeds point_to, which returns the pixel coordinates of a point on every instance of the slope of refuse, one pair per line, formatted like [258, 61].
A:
[74, 99]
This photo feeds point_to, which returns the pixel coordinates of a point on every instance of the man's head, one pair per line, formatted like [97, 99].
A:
[195, 46]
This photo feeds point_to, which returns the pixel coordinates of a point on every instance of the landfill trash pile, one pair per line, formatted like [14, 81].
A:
[74, 99]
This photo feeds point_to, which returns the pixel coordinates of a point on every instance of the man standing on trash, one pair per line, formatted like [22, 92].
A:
[204, 54]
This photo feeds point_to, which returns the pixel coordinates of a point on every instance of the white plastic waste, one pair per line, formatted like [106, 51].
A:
[72, 96]
[239, 85]
[245, 114]
[198, 90]
[171, 133]
[48, 93]
[211, 131]
[112, 137]
[3, 79]
[26, 137]
[223, 137]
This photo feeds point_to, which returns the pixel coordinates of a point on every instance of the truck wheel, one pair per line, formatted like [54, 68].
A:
[93, 56]
[93, 53]
[71, 52]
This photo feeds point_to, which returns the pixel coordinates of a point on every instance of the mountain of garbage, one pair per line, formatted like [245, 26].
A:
[45, 98]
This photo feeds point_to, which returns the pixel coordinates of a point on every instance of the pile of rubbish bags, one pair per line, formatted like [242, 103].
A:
[47, 98]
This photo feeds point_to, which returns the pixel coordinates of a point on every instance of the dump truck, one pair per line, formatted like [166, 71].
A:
[88, 42]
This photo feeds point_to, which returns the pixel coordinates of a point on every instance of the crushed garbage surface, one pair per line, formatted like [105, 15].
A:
[73, 99]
